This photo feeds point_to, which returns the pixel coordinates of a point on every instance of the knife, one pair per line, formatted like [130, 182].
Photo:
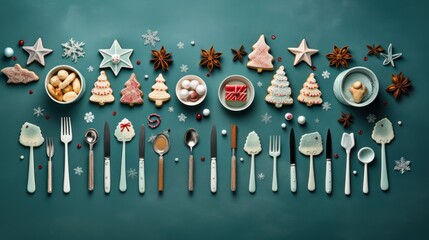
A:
[142, 186]
[213, 153]
[106, 158]
[328, 177]
[292, 161]
[233, 158]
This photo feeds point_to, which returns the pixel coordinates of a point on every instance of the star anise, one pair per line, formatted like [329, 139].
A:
[400, 85]
[210, 59]
[161, 59]
[374, 50]
[345, 119]
[339, 57]
[238, 54]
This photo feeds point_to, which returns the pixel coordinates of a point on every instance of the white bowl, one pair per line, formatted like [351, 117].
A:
[236, 105]
[179, 87]
[69, 69]
[346, 79]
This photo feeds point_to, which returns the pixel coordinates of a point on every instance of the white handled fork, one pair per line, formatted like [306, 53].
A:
[66, 137]
[274, 152]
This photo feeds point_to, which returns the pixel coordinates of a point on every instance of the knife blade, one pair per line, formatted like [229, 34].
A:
[142, 185]
[292, 161]
[233, 158]
[213, 154]
[328, 177]
[106, 158]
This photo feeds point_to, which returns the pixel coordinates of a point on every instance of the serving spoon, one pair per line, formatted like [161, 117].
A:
[91, 137]
[191, 139]
[365, 156]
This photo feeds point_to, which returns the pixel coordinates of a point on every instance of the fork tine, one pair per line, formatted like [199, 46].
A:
[69, 126]
[62, 125]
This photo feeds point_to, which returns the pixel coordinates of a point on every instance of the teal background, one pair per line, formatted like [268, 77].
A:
[401, 212]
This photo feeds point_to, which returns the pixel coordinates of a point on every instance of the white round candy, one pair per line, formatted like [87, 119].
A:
[354, 172]
[206, 112]
[186, 84]
[183, 94]
[21, 157]
[224, 132]
[176, 159]
[194, 84]
[302, 120]
[241, 159]
[192, 43]
[201, 90]
[399, 123]
[146, 76]
[288, 116]
[8, 52]
[283, 125]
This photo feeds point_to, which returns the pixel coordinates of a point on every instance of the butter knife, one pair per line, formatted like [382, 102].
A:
[328, 177]
[292, 161]
[106, 158]
[213, 154]
[142, 185]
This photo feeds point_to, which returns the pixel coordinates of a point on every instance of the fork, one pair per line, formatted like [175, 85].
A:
[50, 153]
[66, 137]
[274, 152]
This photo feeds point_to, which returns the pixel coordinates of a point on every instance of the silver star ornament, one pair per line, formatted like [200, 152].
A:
[116, 58]
[389, 57]
[37, 52]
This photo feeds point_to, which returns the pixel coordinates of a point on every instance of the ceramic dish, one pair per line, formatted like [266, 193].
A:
[54, 71]
[236, 105]
[183, 98]
[346, 79]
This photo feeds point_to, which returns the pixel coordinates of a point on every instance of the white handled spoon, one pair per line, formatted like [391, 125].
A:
[365, 156]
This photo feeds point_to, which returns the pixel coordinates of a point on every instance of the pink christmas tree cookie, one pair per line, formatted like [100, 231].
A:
[102, 93]
[132, 94]
[310, 93]
[279, 92]
[260, 58]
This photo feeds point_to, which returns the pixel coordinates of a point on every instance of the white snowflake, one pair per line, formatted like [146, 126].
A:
[38, 111]
[316, 120]
[151, 138]
[261, 176]
[89, 117]
[182, 117]
[78, 170]
[151, 37]
[73, 49]
[371, 118]
[171, 109]
[266, 118]
[181, 45]
[325, 74]
[132, 173]
[184, 68]
[259, 84]
[90, 68]
[326, 106]
[402, 165]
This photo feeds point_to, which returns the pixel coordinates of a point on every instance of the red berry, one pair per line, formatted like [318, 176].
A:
[360, 132]
[138, 62]
[273, 37]
[40, 166]
[199, 116]
[14, 58]
[203, 159]
[365, 59]
[313, 68]
[279, 59]
[21, 42]
[336, 155]
[47, 117]
[208, 74]
[79, 146]
[30, 91]
[114, 113]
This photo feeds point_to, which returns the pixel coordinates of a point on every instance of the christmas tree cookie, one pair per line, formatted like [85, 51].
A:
[159, 94]
[132, 94]
[102, 93]
[310, 93]
[260, 58]
[279, 92]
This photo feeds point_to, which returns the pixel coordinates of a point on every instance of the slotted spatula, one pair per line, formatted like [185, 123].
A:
[347, 142]
[382, 134]
[311, 145]
[252, 147]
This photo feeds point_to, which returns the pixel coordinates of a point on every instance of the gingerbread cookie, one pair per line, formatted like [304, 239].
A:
[159, 94]
[279, 92]
[17, 75]
[310, 94]
[358, 91]
[132, 94]
[260, 58]
[102, 93]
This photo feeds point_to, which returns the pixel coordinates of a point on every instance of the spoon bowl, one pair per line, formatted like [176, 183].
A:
[365, 156]
[191, 139]
[161, 145]
[91, 137]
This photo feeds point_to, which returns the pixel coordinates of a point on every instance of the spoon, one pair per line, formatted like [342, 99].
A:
[191, 139]
[91, 137]
[347, 142]
[161, 145]
[365, 156]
